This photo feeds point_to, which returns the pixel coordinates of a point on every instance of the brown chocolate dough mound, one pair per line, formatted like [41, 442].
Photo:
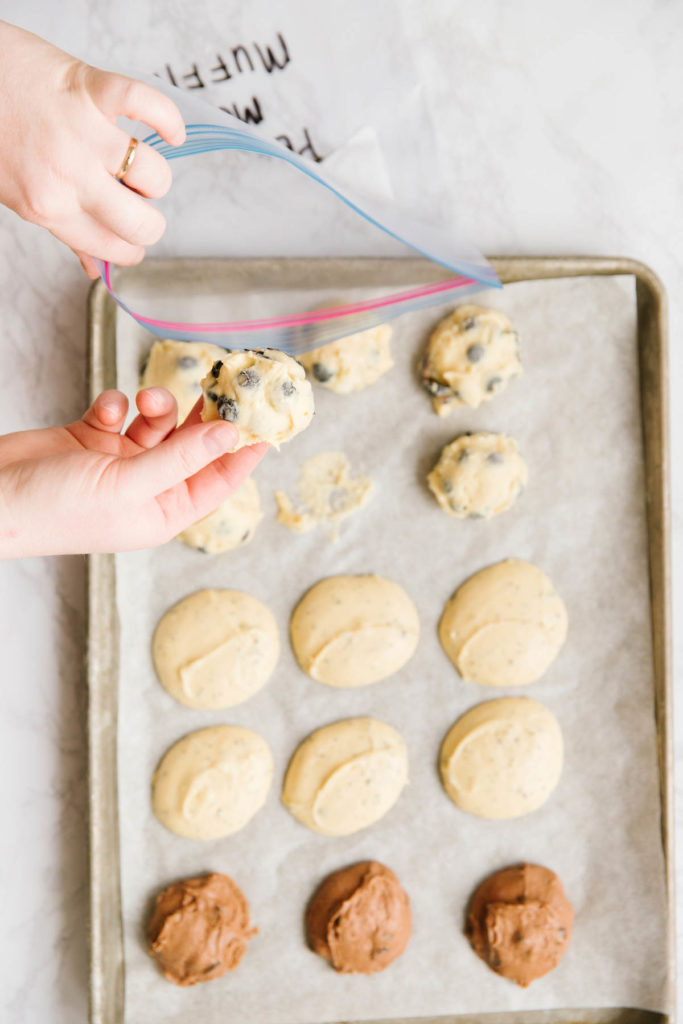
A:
[199, 929]
[519, 922]
[359, 918]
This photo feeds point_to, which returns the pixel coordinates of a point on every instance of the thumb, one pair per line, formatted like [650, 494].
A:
[179, 457]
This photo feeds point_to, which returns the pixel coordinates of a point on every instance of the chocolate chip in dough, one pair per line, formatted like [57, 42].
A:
[216, 368]
[228, 409]
[475, 352]
[187, 362]
[321, 373]
[248, 378]
[288, 389]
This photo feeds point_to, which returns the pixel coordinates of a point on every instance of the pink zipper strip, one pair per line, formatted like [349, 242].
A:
[319, 316]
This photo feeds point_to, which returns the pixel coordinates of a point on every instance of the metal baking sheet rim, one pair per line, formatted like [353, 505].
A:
[107, 968]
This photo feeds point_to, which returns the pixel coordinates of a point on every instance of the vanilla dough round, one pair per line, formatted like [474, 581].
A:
[215, 648]
[354, 630]
[231, 525]
[179, 366]
[502, 759]
[359, 918]
[265, 394]
[212, 782]
[346, 776]
[478, 476]
[352, 363]
[199, 929]
[505, 625]
[519, 922]
[471, 356]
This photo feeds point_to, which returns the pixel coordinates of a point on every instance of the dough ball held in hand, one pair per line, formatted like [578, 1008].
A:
[264, 393]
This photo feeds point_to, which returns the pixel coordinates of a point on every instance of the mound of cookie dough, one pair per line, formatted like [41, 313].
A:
[212, 782]
[352, 363]
[346, 776]
[231, 525]
[502, 759]
[478, 476]
[199, 929]
[519, 922]
[215, 648]
[471, 356]
[359, 918]
[179, 367]
[354, 630]
[505, 625]
[265, 394]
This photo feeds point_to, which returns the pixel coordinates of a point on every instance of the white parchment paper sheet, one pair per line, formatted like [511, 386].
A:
[575, 415]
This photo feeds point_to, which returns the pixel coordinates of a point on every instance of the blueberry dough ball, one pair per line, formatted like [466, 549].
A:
[179, 367]
[264, 393]
[231, 525]
[478, 476]
[352, 363]
[471, 356]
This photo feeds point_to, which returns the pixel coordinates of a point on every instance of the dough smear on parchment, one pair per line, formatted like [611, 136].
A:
[327, 493]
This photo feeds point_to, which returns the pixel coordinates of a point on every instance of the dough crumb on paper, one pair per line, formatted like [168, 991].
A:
[327, 493]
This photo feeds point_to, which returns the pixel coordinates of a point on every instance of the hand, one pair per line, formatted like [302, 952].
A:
[62, 148]
[86, 487]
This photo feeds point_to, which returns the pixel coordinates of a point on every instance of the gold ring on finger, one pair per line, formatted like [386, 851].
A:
[127, 160]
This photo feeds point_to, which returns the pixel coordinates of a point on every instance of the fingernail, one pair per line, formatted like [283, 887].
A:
[221, 438]
[158, 395]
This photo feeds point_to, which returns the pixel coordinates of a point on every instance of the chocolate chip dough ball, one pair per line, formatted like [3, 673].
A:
[199, 929]
[478, 476]
[352, 363]
[179, 367]
[471, 356]
[265, 394]
[231, 525]
[519, 922]
[359, 918]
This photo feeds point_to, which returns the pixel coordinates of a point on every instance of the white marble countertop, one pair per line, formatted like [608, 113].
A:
[557, 128]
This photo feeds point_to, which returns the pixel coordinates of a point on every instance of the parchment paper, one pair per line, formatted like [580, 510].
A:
[575, 415]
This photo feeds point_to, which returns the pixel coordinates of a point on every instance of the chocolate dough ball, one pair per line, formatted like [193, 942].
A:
[199, 929]
[359, 918]
[519, 922]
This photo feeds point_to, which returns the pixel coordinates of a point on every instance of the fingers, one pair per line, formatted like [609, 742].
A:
[88, 264]
[126, 214]
[158, 417]
[193, 499]
[108, 412]
[149, 174]
[179, 457]
[118, 96]
[83, 234]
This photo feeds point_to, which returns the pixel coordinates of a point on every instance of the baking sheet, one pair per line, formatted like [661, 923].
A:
[575, 413]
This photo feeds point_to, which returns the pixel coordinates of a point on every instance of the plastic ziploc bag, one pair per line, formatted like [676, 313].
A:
[309, 329]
